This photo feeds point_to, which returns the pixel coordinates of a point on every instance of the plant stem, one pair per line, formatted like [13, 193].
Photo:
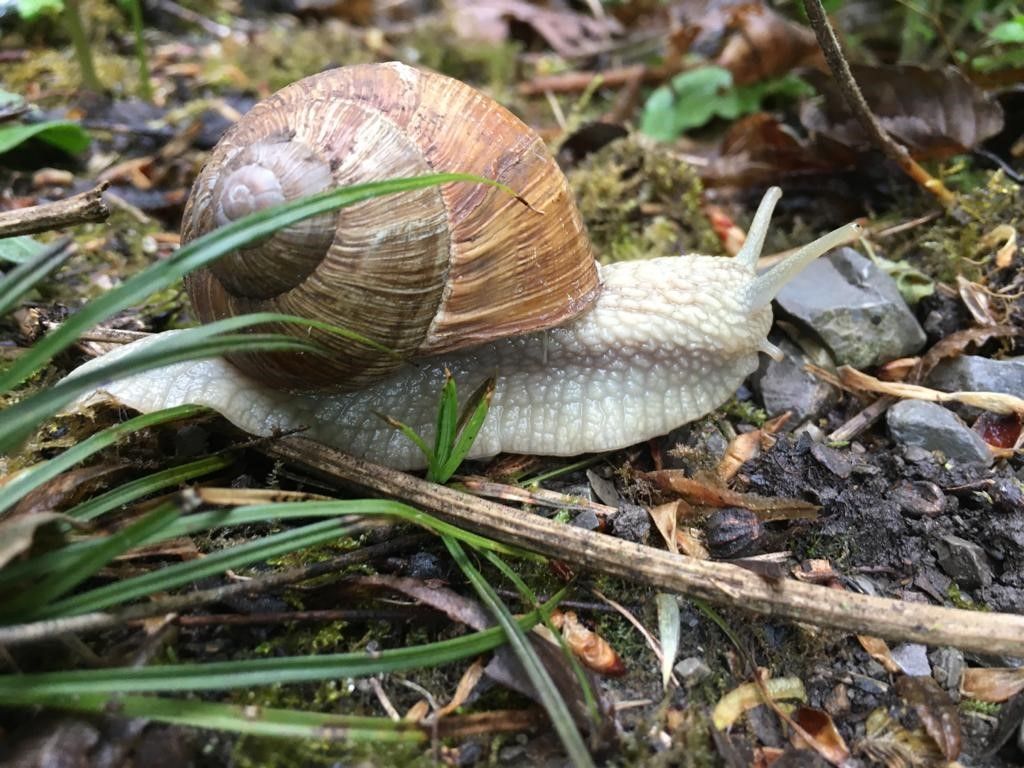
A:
[83, 50]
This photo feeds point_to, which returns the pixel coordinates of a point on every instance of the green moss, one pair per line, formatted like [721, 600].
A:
[639, 200]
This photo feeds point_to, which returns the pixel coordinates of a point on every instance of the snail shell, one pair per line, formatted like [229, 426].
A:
[421, 272]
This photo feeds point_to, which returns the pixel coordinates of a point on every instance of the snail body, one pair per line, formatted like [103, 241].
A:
[634, 350]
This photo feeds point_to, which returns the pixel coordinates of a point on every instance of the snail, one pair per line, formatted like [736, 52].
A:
[460, 278]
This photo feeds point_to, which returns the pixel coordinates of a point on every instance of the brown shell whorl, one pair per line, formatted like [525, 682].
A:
[419, 272]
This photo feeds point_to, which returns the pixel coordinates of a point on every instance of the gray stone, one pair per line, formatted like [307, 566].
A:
[632, 523]
[784, 385]
[979, 374]
[912, 658]
[934, 428]
[964, 562]
[692, 670]
[947, 667]
[855, 308]
[587, 519]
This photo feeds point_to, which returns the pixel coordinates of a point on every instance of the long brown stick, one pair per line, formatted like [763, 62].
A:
[77, 209]
[860, 109]
[716, 582]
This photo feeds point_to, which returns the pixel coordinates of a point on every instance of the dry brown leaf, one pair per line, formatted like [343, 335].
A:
[995, 684]
[886, 742]
[898, 370]
[957, 343]
[440, 598]
[467, 683]
[878, 649]
[938, 713]
[763, 44]
[819, 726]
[816, 572]
[66, 489]
[997, 402]
[665, 519]
[592, 649]
[741, 449]
[935, 113]
[975, 298]
[710, 493]
[569, 34]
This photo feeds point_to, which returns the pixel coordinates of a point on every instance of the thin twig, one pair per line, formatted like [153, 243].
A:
[859, 107]
[720, 583]
[78, 209]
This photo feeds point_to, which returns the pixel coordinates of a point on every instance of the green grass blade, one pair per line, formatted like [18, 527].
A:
[204, 250]
[15, 490]
[444, 434]
[470, 423]
[176, 575]
[545, 687]
[257, 721]
[411, 434]
[144, 486]
[222, 675]
[238, 718]
[23, 277]
[204, 341]
[61, 581]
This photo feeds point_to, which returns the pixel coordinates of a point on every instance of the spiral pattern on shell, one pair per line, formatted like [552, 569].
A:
[420, 272]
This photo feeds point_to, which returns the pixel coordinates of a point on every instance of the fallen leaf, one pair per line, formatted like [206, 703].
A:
[665, 518]
[592, 649]
[886, 742]
[710, 493]
[763, 44]
[935, 113]
[17, 534]
[878, 649]
[975, 298]
[819, 726]
[938, 713]
[995, 684]
[467, 683]
[741, 449]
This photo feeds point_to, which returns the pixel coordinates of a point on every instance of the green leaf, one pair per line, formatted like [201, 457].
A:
[447, 416]
[695, 97]
[63, 134]
[28, 9]
[1011, 31]
[691, 100]
[470, 423]
[18, 250]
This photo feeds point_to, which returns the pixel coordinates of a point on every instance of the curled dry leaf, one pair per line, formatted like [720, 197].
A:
[747, 696]
[741, 449]
[592, 649]
[878, 649]
[816, 572]
[665, 519]
[997, 402]
[66, 489]
[957, 343]
[938, 713]
[1002, 238]
[710, 493]
[17, 534]
[975, 298]
[936, 113]
[820, 728]
[995, 684]
[690, 542]
[467, 683]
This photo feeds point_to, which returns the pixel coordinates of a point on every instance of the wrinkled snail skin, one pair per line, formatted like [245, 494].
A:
[668, 341]
[460, 278]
